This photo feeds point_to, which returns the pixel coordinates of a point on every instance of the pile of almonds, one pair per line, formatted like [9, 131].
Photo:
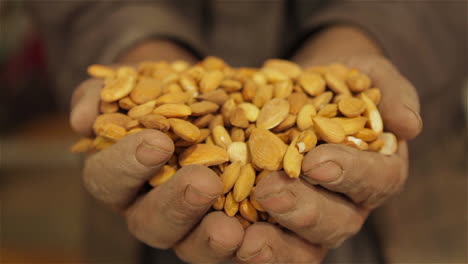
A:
[241, 122]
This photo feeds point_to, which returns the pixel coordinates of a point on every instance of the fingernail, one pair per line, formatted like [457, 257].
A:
[280, 203]
[262, 256]
[416, 115]
[151, 154]
[325, 172]
[195, 197]
[219, 247]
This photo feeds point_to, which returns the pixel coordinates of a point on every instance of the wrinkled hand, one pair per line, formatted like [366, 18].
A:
[351, 183]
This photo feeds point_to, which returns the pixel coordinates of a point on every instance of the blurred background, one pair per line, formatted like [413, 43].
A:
[47, 217]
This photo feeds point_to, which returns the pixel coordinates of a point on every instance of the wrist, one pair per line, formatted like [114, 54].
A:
[156, 50]
[335, 43]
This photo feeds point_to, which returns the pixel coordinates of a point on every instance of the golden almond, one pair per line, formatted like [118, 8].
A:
[290, 69]
[125, 71]
[237, 97]
[145, 90]
[282, 89]
[312, 83]
[188, 84]
[227, 109]
[366, 134]
[244, 183]
[329, 130]
[266, 149]
[296, 102]
[263, 94]
[217, 121]
[173, 98]
[172, 88]
[203, 154]
[273, 75]
[155, 121]
[231, 85]
[204, 134]
[106, 107]
[293, 133]
[238, 152]
[101, 143]
[230, 175]
[292, 162]
[355, 143]
[322, 100]
[112, 131]
[376, 145]
[287, 123]
[203, 121]
[237, 134]
[126, 103]
[112, 118]
[221, 136]
[351, 107]
[213, 63]
[203, 108]
[231, 207]
[184, 129]
[373, 115]
[284, 136]
[358, 82]
[141, 110]
[273, 113]
[219, 204]
[217, 96]
[211, 80]
[163, 175]
[100, 71]
[249, 90]
[374, 94]
[83, 145]
[132, 124]
[390, 145]
[328, 110]
[247, 210]
[336, 84]
[238, 118]
[251, 111]
[259, 78]
[173, 110]
[304, 117]
[117, 88]
[337, 99]
[245, 224]
[180, 65]
[351, 125]
[249, 130]
[134, 130]
[306, 141]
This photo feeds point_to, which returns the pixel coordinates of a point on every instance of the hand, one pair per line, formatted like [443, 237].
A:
[351, 183]
[169, 216]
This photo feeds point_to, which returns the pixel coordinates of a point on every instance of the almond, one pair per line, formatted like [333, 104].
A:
[238, 118]
[237, 134]
[376, 145]
[296, 102]
[237, 97]
[213, 63]
[221, 137]
[163, 175]
[106, 107]
[217, 96]
[211, 80]
[273, 75]
[263, 94]
[117, 88]
[188, 84]
[249, 130]
[287, 123]
[238, 152]
[373, 116]
[245, 224]
[113, 118]
[203, 121]
[83, 145]
[357, 82]
[282, 89]
[227, 109]
[132, 124]
[355, 143]
[306, 141]
[203, 154]
[173, 110]
[266, 149]
[322, 100]
[329, 130]
[230, 175]
[351, 125]
[173, 98]
[172, 88]
[366, 134]
[304, 117]
[337, 99]
[126, 103]
[254, 201]
[312, 83]
[351, 107]
[134, 130]
[328, 110]
[374, 94]
[273, 113]
[259, 78]
[155, 121]
[141, 110]
[184, 129]
[203, 108]
[100, 71]
[231, 85]
[219, 204]
[337, 69]
[292, 162]
[125, 71]
[244, 183]
[247, 210]
[101, 143]
[217, 121]
[290, 69]
[390, 145]
[231, 207]
[145, 90]
[336, 84]
[251, 111]
[249, 90]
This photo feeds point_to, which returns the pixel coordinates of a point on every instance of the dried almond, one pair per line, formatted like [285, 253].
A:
[390, 145]
[173, 98]
[293, 133]
[231, 207]
[217, 121]
[376, 145]
[306, 141]
[337, 99]
[217, 96]
[227, 109]
[117, 88]
[351, 107]
[83, 145]
[273, 75]
[287, 123]
[134, 130]
[366, 134]
[247, 210]
[328, 110]
[355, 143]
[254, 201]
[125, 71]
[351, 125]
[203, 121]
[112, 131]
[184, 129]
[282, 89]
[231, 85]
[284, 136]
[188, 84]
[296, 102]
[213, 63]
[266, 149]
[244, 183]
[211, 80]
[372, 113]
[245, 224]
[374, 94]
[221, 137]
[203, 154]
[126, 103]
[249, 130]
[249, 90]
[141, 110]
[106, 107]
[145, 90]
[358, 82]
[337, 69]
[290, 69]
[237, 134]
[238, 118]
[237, 97]
[132, 124]
[336, 84]
[204, 134]
[172, 88]
[304, 117]
[322, 100]
[219, 204]
[203, 108]
[292, 161]
[263, 94]
[101, 143]
[163, 175]
[329, 130]
[155, 121]
[100, 71]
[230, 175]
[173, 110]
[238, 152]
[273, 113]
[251, 111]
[112, 118]
[312, 83]
[259, 78]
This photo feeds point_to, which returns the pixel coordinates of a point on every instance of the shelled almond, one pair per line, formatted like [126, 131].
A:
[241, 122]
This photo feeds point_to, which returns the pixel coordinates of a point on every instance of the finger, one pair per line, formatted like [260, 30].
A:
[368, 178]
[266, 243]
[85, 106]
[400, 104]
[168, 212]
[317, 215]
[216, 239]
[115, 174]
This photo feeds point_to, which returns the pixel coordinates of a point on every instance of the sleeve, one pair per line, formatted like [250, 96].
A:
[422, 38]
[79, 33]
